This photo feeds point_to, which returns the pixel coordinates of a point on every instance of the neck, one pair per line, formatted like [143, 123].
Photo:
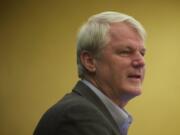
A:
[120, 100]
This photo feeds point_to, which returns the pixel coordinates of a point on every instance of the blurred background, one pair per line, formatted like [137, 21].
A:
[38, 60]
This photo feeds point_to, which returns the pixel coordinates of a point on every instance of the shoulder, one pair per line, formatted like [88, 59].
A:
[71, 106]
[73, 114]
[74, 105]
[82, 115]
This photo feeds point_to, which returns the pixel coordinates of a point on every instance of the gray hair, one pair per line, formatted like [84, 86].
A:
[93, 35]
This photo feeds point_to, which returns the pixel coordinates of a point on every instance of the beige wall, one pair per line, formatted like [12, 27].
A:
[38, 64]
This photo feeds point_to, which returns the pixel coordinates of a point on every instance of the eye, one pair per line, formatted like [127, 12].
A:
[125, 52]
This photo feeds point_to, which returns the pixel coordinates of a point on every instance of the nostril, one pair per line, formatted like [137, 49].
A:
[138, 63]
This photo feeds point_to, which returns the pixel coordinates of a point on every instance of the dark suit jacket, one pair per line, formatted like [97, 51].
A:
[79, 113]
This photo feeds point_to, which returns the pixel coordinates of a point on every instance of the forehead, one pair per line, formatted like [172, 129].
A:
[123, 34]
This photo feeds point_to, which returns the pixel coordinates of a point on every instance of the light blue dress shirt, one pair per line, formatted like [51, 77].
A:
[121, 117]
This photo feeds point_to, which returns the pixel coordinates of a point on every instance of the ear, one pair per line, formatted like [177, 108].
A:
[88, 61]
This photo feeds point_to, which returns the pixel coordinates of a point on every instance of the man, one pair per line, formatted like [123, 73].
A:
[110, 58]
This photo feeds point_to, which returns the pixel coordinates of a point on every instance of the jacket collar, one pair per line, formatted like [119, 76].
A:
[84, 91]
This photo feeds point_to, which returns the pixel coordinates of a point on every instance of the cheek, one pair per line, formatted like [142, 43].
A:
[103, 71]
[119, 72]
[121, 62]
[121, 67]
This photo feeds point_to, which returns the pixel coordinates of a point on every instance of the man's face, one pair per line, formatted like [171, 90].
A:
[121, 66]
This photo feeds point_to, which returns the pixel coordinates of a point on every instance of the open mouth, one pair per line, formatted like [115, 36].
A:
[135, 77]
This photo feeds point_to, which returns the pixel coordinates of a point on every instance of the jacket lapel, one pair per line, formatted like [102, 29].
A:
[86, 92]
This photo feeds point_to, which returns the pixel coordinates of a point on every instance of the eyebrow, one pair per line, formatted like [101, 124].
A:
[132, 47]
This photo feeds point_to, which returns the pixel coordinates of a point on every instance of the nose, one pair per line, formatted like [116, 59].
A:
[138, 61]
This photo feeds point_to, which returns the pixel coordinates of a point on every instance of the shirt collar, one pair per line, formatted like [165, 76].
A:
[121, 117]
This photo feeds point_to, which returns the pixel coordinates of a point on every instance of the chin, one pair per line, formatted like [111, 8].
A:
[134, 92]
